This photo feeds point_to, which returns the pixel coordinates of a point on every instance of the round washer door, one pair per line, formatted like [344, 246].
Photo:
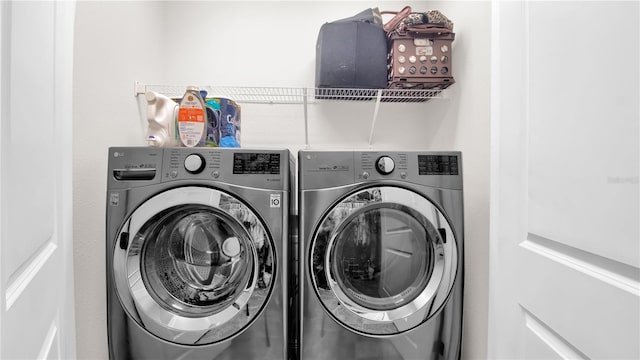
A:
[194, 265]
[383, 260]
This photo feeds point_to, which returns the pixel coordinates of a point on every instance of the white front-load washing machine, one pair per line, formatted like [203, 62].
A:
[197, 253]
[381, 254]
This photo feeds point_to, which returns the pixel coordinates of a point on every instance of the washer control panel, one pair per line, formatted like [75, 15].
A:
[189, 163]
[258, 168]
[268, 169]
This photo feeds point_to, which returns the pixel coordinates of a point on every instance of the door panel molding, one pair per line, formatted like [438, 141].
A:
[24, 276]
[50, 348]
[604, 269]
[556, 343]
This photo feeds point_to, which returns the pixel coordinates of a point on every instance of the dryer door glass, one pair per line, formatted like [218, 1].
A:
[383, 260]
[382, 257]
[194, 265]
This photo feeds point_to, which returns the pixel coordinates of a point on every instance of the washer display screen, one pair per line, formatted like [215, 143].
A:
[256, 163]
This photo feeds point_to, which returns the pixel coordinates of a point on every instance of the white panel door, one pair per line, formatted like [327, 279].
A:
[565, 256]
[36, 267]
[397, 254]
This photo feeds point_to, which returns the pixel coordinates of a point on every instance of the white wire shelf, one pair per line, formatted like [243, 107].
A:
[301, 96]
[282, 95]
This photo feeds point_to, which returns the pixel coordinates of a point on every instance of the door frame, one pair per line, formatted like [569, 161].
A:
[508, 170]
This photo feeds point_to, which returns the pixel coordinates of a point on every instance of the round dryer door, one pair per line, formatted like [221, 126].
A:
[383, 260]
[194, 265]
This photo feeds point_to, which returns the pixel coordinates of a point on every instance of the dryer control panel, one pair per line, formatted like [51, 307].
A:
[439, 169]
[376, 165]
[323, 169]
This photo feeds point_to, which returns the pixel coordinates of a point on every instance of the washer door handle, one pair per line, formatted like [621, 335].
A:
[124, 240]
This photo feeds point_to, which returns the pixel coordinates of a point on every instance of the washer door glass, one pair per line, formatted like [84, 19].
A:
[387, 256]
[194, 265]
[196, 259]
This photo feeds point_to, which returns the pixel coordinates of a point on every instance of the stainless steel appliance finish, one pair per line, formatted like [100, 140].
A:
[380, 254]
[197, 253]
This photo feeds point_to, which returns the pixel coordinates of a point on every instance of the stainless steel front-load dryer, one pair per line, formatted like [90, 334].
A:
[197, 253]
[381, 254]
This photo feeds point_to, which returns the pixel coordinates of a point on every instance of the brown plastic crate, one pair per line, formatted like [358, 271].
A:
[420, 60]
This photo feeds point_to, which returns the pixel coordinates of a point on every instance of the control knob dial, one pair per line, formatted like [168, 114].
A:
[194, 163]
[385, 165]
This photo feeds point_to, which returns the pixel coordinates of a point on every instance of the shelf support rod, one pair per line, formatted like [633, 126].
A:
[375, 116]
[139, 88]
[306, 124]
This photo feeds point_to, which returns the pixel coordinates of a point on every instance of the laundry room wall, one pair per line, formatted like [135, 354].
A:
[265, 44]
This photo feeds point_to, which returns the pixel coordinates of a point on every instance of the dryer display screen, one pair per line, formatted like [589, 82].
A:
[437, 165]
[256, 163]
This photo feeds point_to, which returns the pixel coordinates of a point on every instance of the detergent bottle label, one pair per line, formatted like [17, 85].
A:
[192, 120]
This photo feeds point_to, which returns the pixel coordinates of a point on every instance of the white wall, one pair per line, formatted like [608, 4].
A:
[264, 44]
[115, 43]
